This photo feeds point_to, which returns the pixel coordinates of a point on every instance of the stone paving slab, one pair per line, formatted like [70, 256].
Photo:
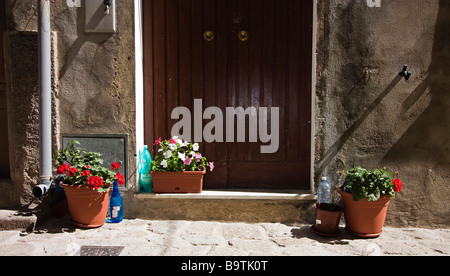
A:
[57, 237]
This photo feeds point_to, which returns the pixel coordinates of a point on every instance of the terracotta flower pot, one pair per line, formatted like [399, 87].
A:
[177, 182]
[327, 222]
[364, 218]
[88, 208]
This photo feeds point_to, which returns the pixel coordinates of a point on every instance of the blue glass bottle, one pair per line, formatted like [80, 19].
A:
[116, 205]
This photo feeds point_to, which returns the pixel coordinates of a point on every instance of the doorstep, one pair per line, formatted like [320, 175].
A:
[236, 194]
[250, 206]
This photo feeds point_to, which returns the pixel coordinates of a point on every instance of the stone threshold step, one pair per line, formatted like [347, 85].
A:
[236, 194]
[14, 220]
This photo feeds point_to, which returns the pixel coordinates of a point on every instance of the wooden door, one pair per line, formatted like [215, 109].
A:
[272, 68]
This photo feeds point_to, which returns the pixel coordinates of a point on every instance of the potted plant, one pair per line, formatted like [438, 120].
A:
[86, 184]
[366, 195]
[327, 217]
[178, 167]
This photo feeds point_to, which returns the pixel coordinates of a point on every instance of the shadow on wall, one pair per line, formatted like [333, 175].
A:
[336, 147]
[83, 37]
[427, 141]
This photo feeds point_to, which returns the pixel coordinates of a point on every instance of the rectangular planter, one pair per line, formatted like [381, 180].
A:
[177, 182]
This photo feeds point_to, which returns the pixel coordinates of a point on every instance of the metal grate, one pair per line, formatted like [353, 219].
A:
[112, 147]
[101, 250]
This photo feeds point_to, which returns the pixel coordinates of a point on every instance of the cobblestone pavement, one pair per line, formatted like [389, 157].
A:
[57, 237]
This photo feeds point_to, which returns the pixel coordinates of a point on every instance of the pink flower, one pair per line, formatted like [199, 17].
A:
[173, 141]
[211, 166]
[198, 156]
[187, 161]
[157, 142]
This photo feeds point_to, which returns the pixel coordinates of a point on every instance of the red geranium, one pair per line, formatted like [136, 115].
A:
[85, 173]
[120, 179]
[72, 171]
[115, 166]
[95, 182]
[397, 185]
[85, 169]
[63, 169]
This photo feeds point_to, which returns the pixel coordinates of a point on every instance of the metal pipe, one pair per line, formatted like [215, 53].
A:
[45, 99]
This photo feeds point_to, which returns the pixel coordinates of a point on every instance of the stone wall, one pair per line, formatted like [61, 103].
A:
[366, 115]
[22, 99]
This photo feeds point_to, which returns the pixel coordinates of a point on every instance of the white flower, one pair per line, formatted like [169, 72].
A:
[168, 154]
[182, 156]
[192, 153]
[195, 146]
[184, 144]
[164, 164]
[160, 150]
[175, 138]
[180, 142]
[173, 147]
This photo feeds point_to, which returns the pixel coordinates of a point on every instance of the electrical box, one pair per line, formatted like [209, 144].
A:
[99, 17]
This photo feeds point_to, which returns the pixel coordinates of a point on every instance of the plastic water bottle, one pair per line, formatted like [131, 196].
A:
[323, 194]
[116, 205]
[145, 179]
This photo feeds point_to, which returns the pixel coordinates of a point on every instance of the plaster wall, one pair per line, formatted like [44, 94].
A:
[366, 115]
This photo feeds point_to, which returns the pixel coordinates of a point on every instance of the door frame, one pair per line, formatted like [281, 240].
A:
[143, 80]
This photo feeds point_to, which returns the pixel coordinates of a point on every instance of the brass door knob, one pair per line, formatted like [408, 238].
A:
[208, 35]
[243, 35]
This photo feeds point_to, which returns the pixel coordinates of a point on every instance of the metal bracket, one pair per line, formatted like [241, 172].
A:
[405, 73]
[100, 16]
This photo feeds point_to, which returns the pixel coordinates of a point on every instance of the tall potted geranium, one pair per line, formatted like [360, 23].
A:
[366, 195]
[178, 167]
[86, 184]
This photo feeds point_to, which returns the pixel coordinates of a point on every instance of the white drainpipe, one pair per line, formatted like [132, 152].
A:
[45, 99]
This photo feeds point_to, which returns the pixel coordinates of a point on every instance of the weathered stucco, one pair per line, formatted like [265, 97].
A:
[364, 113]
[93, 85]
[367, 115]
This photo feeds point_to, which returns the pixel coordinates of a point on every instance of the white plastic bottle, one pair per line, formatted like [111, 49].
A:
[323, 193]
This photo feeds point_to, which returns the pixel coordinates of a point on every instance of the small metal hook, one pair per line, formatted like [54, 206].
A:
[108, 4]
[405, 73]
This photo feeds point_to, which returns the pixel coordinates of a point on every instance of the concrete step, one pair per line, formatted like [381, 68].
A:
[251, 206]
[17, 221]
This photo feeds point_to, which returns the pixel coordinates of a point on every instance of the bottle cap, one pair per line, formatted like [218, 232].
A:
[324, 178]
